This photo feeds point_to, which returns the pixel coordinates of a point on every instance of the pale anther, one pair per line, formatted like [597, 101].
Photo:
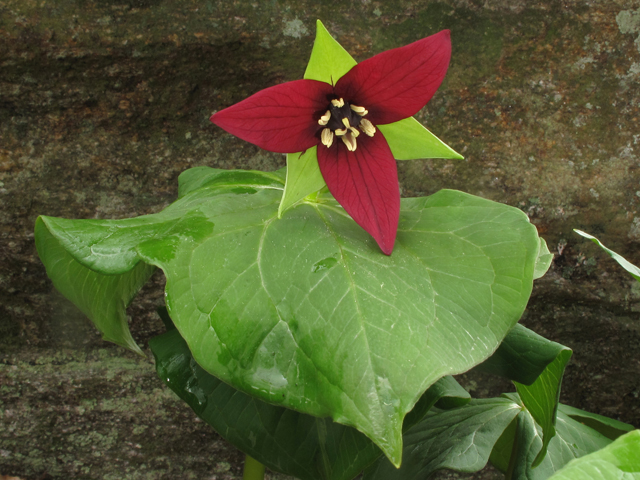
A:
[324, 119]
[337, 102]
[341, 132]
[359, 110]
[367, 127]
[345, 122]
[350, 141]
[326, 137]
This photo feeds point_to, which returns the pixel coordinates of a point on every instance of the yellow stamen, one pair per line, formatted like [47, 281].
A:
[367, 127]
[359, 110]
[354, 132]
[337, 102]
[341, 132]
[324, 119]
[326, 137]
[350, 141]
[345, 122]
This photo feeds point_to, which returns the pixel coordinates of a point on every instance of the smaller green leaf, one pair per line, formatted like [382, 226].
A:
[628, 266]
[102, 298]
[545, 257]
[608, 427]
[303, 178]
[573, 440]
[409, 140]
[201, 177]
[446, 393]
[541, 399]
[619, 460]
[329, 61]
[459, 439]
[522, 356]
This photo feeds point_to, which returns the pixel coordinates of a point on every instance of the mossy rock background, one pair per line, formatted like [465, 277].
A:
[104, 103]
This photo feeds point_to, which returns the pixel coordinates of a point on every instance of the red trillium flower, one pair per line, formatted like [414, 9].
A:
[353, 155]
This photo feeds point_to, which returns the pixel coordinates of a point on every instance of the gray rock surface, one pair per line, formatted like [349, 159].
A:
[103, 103]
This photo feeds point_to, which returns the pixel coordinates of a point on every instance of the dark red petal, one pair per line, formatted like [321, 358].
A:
[397, 83]
[282, 118]
[365, 183]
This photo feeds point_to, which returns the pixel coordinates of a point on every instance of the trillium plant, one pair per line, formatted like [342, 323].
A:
[314, 318]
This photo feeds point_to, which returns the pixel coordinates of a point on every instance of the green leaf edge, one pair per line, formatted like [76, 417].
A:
[624, 263]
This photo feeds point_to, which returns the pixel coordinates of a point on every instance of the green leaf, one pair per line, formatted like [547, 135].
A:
[102, 298]
[409, 140]
[573, 440]
[305, 311]
[329, 61]
[286, 441]
[460, 439]
[619, 460]
[541, 398]
[628, 266]
[522, 356]
[303, 178]
[608, 427]
[545, 257]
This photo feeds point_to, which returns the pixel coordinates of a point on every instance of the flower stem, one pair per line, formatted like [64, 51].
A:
[253, 469]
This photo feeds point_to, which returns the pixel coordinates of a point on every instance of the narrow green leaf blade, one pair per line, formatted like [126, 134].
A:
[102, 298]
[460, 439]
[329, 61]
[541, 398]
[409, 140]
[522, 356]
[619, 460]
[628, 266]
[303, 178]
[608, 427]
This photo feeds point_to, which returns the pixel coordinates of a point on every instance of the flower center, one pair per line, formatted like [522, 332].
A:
[343, 120]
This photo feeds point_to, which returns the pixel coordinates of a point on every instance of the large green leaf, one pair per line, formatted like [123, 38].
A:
[305, 311]
[286, 441]
[617, 461]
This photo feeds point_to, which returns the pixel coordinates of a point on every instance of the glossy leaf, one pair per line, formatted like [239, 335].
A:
[286, 441]
[542, 396]
[624, 263]
[102, 298]
[619, 460]
[409, 140]
[522, 356]
[572, 440]
[304, 311]
[460, 439]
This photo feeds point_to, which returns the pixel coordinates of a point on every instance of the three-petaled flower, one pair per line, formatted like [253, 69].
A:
[354, 157]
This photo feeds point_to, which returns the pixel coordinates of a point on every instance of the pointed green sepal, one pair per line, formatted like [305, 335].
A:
[409, 140]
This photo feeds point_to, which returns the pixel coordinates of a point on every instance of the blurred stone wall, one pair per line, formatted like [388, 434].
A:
[103, 103]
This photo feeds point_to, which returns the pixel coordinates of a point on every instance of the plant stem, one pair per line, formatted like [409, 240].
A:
[253, 469]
